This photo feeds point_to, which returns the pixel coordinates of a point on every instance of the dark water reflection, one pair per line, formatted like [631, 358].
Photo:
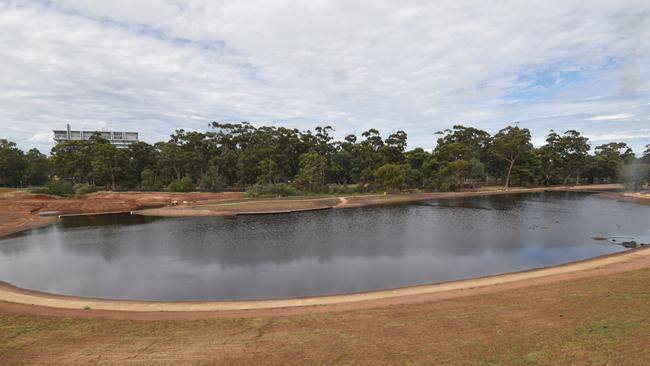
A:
[133, 257]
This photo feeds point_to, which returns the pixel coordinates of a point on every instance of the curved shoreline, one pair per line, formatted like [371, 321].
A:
[18, 300]
[26, 208]
[15, 299]
[227, 210]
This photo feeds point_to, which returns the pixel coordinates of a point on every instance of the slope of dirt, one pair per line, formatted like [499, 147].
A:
[639, 198]
[20, 210]
[288, 205]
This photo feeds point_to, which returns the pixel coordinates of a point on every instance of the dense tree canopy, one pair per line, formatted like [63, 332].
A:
[510, 144]
[240, 156]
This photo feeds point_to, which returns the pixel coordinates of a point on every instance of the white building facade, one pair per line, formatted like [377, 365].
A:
[120, 139]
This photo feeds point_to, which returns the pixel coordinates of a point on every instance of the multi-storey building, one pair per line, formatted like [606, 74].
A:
[117, 138]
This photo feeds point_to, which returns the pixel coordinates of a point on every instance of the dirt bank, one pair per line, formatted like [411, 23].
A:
[288, 205]
[243, 207]
[638, 198]
[20, 211]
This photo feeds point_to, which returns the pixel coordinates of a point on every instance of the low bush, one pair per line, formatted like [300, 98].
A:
[38, 190]
[212, 181]
[149, 181]
[275, 190]
[344, 188]
[60, 187]
[181, 185]
[82, 189]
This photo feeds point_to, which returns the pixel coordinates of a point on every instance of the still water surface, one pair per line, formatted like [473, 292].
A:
[314, 253]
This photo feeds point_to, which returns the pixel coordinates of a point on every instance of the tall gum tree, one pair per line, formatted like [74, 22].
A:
[509, 144]
[575, 152]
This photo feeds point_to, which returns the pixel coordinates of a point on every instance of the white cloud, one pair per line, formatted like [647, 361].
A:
[608, 117]
[621, 135]
[41, 138]
[416, 65]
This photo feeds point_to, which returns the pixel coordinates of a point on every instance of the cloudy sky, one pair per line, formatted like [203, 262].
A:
[155, 66]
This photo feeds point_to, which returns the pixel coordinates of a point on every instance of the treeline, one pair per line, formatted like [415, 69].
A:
[278, 160]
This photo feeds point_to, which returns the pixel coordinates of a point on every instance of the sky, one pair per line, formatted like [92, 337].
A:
[155, 66]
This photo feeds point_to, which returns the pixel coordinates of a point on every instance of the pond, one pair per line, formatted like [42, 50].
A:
[314, 253]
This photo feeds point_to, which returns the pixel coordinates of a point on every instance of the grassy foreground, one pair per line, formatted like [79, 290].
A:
[603, 320]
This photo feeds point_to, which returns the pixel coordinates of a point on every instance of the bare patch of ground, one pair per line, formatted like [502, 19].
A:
[20, 211]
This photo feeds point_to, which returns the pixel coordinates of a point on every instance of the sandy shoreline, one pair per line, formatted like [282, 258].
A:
[279, 206]
[14, 299]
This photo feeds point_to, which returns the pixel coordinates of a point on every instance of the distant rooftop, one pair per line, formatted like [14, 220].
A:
[117, 138]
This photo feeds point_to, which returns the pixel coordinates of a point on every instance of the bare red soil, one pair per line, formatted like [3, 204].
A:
[20, 211]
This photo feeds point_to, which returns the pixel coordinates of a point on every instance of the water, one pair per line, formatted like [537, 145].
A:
[314, 253]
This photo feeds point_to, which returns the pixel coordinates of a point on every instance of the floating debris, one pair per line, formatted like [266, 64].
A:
[626, 241]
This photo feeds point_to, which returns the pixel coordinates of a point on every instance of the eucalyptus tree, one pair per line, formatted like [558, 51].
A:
[575, 151]
[461, 142]
[571, 151]
[142, 157]
[172, 161]
[37, 169]
[312, 171]
[509, 144]
[369, 152]
[347, 162]
[67, 162]
[420, 167]
[391, 176]
[12, 164]
[108, 164]
[609, 159]
[241, 155]
[529, 169]
[394, 147]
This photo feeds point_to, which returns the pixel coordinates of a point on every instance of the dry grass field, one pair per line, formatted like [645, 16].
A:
[602, 320]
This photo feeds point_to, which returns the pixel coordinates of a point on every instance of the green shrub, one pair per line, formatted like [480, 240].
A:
[343, 188]
[212, 181]
[181, 185]
[82, 188]
[275, 190]
[149, 181]
[38, 190]
[391, 176]
[60, 187]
